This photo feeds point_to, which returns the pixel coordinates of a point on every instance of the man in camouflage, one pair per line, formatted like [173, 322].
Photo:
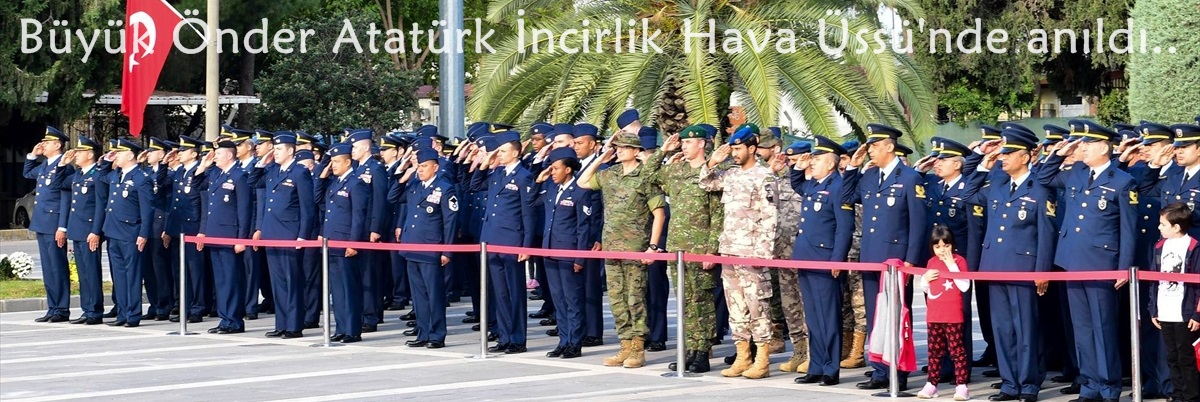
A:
[854, 307]
[748, 231]
[697, 221]
[788, 203]
[630, 198]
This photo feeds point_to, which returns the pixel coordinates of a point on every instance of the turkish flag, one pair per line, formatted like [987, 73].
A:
[149, 35]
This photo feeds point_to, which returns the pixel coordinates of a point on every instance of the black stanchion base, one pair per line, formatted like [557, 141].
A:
[182, 334]
[672, 374]
[887, 394]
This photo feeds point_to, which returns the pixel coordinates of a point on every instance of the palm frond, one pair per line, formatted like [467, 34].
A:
[758, 69]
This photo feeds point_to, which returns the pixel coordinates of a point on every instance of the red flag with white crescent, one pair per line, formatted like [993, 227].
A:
[149, 35]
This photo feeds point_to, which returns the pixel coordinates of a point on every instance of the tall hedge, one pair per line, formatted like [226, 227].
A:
[1165, 87]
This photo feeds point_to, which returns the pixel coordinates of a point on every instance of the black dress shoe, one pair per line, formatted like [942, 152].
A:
[435, 345]
[541, 314]
[514, 349]
[453, 299]
[292, 334]
[312, 325]
[499, 347]
[572, 352]
[807, 379]
[1028, 398]
[174, 310]
[336, 337]
[471, 313]
[79, 320]
[557, 352]
[998, 385]
[410, 324]
[409, 317]
[118, 323]
[227, 331]
[214, 330]
[112, 313]
[689, 357]
[656, 346]
[552, 332]
[211, 314]
[592, 341]
[548, 322]
[1072, 389]
[475, 327]
[829, 381]
[161, 317]
[1062, 379]
[55, 318]
[872, 384]
[699, 363]
[470, 320]
[1003, 397]
[351, 339]
[266, 310]
[492, 337]
[132, 324]
[991, 373]
[275, 334]
[416, 344]
[1152, 395]
[409, 332]
[251, 316]
[369, 328]
[192, 319]
[93, 321]
[535, 297]
[396, 307]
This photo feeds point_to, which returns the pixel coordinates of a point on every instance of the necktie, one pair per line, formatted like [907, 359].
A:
[559, 195]
[945, 188]
[1186, 178]
[1012, 190]
[881, 174]
[1091, 178]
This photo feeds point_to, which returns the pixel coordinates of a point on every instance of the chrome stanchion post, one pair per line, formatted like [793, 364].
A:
[680, 316]
[1136, 340]
[183, 307]
[891, 290]
[325, 328]
[483, 303]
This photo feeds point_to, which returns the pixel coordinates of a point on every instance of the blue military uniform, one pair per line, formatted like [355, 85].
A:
[227, 213]
[89, 195]
[127, 220]
[430, 217]
[825, 233]
[1019, 238]
[286, 213]
[976, 222]
[593, 285]
[567, 227]
[310, 258]
[183, 217]
[372, 173]
[253, 259]
[49, 216]
[160, 278]
[346, 218]
[1098, 234]
[894, 222]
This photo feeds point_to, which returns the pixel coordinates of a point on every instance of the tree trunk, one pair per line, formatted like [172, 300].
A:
[245, 119]
[671, 112]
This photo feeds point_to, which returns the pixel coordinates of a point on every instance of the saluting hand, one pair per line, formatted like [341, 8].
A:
[1129, 152]
[67, 157]
[719, 155]
[671, 144]
[1069, 148]
[541, 178]
[678, 157]
[804, 162]
[1164, 155]
[778, 163]
[990, 146]
[859, 156]
[38, 149]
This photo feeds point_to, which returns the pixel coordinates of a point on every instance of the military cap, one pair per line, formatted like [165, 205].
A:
[586, 130]
[236, 135]
[851, 146]
[564, 128]
[1054, 134]
[489, 142]
[935, 145]
[125, 145]
[558, 154]
[389, 142]
[423, 142]
[261, 136]
[1090, 131]
[541, 128]
[776, 131]
[283, 139]
[693, 131]
[186, 142]
[629, 140]
[649, 138]
[949, 148]
[746, 134]
[303, 138]
[431, 131]
[320, 146]
[903, 150]
[304, 155]
[477, 129]
[155, 144]
[627, 117]
[753, 127]
[876, 132]
[227, 131]
[53, 134]
[709, 129]
[1185, 134]
[824, 145]
[500, 127]
[1119, 126]
[359, 135]
[340, 149]
[1126, 134]
[505, 137]
[1017, 140]
[1014, 126]
[989, 132]
[222, 144]
[425, 154]
[798, 148]
[1153, 132]
[86, 143]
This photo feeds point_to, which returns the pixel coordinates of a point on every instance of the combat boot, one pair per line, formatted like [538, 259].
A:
[742, 361]
[731, 359]
[792, 363]
[776, 344]
[856, 352]
[699, 363]
[637, 353]
[761, 368]
[621, 355]
[847, 344]
[689, 356]
[799, 358]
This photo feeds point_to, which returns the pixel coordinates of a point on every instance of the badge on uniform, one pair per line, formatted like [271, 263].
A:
[567, 203]
[511, 186]
[1133, 197]
[83, 190]
[817, 206]
[1103, 204]
[951, 211]
[587, 210]
[920, 190]
[1021, 214]
[1051, 209]
[227, 186]
[125, 194]
[226, 197]
[1191, 205]
[891, 201]
[429, 210]
[187, 190]
[453, 203]
[978, 210]
[343, 193]
[366, 178]
[47, 181]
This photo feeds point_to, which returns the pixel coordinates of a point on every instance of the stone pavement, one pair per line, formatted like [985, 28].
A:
[45, 362]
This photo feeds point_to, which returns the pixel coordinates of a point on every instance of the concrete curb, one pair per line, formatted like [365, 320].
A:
[39, 304]
[17, 235]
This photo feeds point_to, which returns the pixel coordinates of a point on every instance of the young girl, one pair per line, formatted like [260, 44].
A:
[1173, 305]
[943, 301]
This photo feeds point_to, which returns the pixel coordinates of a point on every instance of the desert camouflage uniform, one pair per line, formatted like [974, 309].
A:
[695, 224]
[628, 202]
[748, 231]
[788, 205]
[854, 307]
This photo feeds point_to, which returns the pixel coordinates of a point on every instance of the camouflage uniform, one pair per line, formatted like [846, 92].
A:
[748, 231]
[628, 200]
[694, 227]
[788, 205]
[854, 307]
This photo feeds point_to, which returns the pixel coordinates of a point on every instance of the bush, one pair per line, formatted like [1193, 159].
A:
[17, 265]
[1162, 86]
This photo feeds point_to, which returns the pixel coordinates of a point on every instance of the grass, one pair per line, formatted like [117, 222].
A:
[33, 288]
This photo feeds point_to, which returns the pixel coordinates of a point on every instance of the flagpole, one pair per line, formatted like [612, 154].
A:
[212, 109]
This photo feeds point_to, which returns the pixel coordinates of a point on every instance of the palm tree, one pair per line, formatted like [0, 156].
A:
[680, 86]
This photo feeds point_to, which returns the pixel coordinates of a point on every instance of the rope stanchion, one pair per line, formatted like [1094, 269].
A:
[326, 328]
[483, 303]
[892, 291]
[183, 307]
[680, 316]
[1134, 333]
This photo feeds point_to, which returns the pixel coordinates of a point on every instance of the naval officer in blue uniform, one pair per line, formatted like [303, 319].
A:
[227, 212]
[347, 199]
[183, 190]
[286, 212]
[824, 234]
[127, 226]
[1100, 203]
[49, 219]
[89, 195]
[430, 217]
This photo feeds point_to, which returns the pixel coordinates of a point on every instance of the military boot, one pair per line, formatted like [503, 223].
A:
[799, 358]
[637, 353]
[761, 368]
[742, 362]
[856, 352]
[776, 345]
[688, 358]
[699, 363]
[847, 344]
[731, 359]
[621, 355]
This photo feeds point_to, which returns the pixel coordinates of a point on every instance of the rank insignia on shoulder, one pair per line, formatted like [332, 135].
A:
[848, 207]
[1051, 209]
[978, 210]
[920, 190]
[453, 203]
[1133, 197]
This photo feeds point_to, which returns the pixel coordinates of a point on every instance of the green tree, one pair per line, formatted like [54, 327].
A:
[323, 91]
[679, 86]
[1162, 86]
